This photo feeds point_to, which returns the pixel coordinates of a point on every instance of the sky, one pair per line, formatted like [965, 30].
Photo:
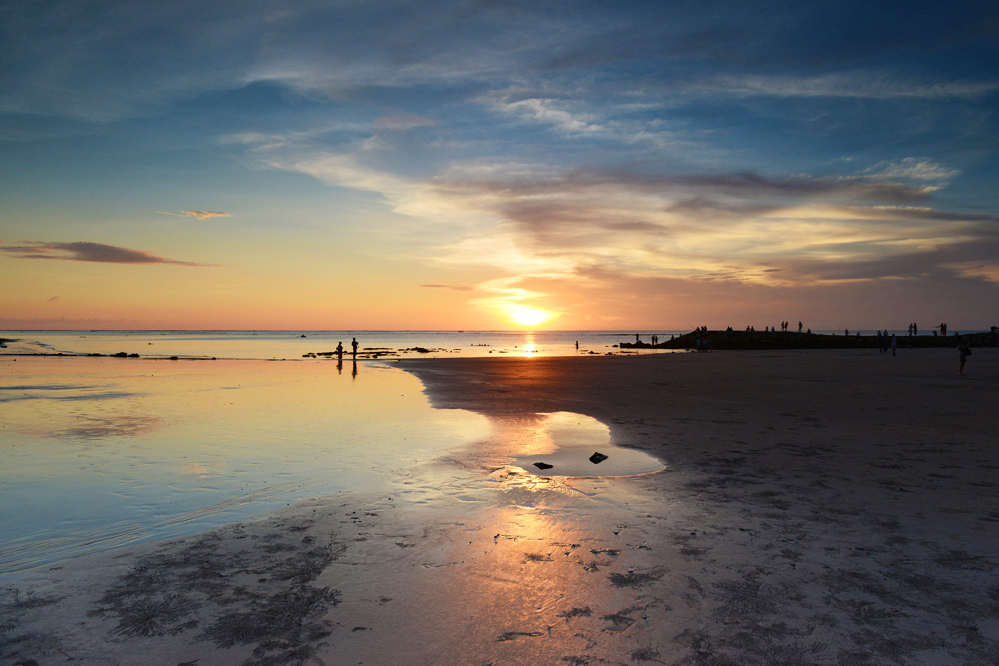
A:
[488, 164]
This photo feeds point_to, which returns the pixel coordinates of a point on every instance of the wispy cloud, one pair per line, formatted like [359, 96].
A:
[198, 214]
[912, 170]
[861, 84]
[87, 251]
[454, 287]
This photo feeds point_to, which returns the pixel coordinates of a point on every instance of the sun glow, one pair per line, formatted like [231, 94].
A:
[524, 315]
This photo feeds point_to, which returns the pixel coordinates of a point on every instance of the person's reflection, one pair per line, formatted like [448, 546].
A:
[353, 371]
[339, 366]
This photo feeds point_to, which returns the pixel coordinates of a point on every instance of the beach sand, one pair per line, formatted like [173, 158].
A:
[817, 507]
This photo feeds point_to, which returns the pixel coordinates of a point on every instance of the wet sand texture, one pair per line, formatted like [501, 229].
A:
[832, 507]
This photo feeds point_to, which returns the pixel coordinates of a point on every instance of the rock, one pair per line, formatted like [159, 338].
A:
[543, 465]
[597, 458]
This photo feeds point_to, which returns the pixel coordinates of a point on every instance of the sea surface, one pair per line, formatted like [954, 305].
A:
[98, 452]
[299, 344]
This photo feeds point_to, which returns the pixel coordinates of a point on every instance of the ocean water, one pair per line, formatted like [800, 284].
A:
[298, 344]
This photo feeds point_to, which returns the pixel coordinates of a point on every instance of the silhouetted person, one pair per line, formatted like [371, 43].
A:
[339, 351]
[353, 346]
[894, 344]
[962, 355]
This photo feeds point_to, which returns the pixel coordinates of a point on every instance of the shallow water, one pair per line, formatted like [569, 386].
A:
[568, 444]
[100, 452]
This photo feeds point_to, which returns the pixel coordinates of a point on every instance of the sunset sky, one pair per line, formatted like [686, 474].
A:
[490, 165]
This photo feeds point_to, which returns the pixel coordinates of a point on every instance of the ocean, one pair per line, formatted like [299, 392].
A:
[299, 344]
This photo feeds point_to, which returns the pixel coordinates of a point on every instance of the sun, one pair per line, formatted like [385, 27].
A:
[524, 315]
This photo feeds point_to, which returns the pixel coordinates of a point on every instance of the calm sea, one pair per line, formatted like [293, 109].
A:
[298, 344]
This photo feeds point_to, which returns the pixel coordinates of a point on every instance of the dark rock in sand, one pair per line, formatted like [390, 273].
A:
[597, 458]
[542, 465]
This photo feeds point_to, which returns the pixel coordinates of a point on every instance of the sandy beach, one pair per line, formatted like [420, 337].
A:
[816, 507]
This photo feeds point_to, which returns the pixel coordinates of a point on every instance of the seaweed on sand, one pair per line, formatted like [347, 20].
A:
[14, 604]
[146, 616]
[746, 599]
[202, 584]
[637, 578]
[284, 620]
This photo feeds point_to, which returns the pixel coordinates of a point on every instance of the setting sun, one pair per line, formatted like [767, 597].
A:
[523, 315]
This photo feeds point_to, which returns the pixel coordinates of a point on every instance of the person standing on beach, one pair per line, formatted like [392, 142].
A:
[894, 344]
[353, 346]
[962, 354]
[339, 351]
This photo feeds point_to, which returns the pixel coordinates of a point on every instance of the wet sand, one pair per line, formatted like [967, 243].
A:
[818, 507]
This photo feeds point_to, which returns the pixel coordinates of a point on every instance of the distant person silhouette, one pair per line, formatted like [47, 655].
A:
[353, 345]
[339, 351]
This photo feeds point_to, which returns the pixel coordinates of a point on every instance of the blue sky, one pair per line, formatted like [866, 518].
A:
[493, 164]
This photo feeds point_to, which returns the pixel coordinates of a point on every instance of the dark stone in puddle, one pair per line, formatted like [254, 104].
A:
[541, 465]
[597, 458]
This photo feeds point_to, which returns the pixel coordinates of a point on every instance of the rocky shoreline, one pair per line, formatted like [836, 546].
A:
[772, 340]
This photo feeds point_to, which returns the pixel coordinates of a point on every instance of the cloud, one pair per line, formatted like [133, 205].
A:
[402, 121]
[535, 219]
[911, 169]
[87, 251]
[864, 84]
[455, 287]
[198, 214]
[547, 112]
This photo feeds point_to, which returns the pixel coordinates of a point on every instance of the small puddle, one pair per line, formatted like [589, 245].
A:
[578, 445]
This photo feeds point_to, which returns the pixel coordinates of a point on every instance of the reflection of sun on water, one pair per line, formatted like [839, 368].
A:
[530, 349]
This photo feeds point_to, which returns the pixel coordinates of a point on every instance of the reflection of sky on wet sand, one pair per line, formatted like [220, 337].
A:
[506, 567]
[98, 452]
